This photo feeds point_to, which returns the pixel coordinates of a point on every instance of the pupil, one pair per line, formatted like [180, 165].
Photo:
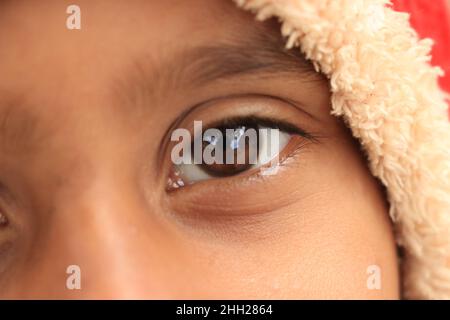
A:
[239, 146]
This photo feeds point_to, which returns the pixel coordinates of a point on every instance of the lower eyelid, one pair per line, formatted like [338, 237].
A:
[236, 197]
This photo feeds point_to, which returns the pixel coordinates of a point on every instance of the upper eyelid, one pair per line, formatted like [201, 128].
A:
[163, 144]
[263, 121]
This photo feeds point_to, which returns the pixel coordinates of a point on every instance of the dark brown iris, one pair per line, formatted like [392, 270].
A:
[236, 145]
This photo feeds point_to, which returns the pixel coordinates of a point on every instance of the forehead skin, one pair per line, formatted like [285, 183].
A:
[94, 105]
[117, 77]
[81, 65]
[92, 72]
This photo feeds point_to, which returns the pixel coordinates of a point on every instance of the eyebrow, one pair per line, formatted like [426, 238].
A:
[260, 52]
[258, 58]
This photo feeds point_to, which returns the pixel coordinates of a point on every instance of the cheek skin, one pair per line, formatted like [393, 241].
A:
[319, 247]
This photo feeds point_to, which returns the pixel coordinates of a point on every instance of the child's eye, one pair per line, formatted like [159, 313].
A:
[233, 147]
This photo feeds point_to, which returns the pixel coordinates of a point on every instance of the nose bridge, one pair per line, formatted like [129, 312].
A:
[95, 214]
[121, 245]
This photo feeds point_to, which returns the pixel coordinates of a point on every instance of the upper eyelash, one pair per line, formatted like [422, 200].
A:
[258, 121]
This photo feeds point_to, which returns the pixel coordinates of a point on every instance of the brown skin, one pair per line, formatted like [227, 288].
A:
[88, 187]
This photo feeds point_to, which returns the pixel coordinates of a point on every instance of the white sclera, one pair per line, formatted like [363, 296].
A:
[271, 143]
